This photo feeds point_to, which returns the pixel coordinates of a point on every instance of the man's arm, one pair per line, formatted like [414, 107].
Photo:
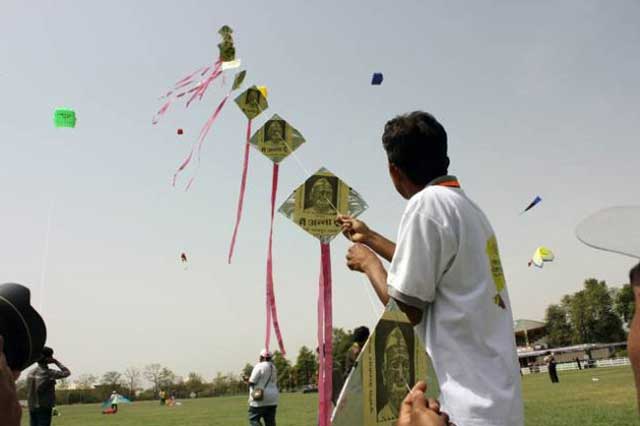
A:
[358, 232]
[360, 258]
[633, 342]
[62, 374]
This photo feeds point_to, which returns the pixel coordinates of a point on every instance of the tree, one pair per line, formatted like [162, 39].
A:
[86, 381]
[607, 325]
[111, 378]
[167, 378]
[587, 316]
[152, 374]
[624, 304]
[246, 371]
[283, 367]
[557, 326]
[342, 341]
[132, 376]
[195, 383]
[306, 366]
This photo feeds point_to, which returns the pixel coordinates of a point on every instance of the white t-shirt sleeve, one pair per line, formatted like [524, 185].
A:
[256, 374]
[424, 251]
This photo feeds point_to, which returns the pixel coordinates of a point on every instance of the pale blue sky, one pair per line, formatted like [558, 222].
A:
[538, 99]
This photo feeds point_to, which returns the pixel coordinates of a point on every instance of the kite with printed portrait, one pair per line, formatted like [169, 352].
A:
[194, 87]
[391, 362]
[314, 206]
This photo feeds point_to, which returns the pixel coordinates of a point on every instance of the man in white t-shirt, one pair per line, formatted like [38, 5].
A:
[446, 275]
[264, 376]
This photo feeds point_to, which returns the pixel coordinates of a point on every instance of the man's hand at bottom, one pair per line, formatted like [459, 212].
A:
[10, 410]
[416, 410]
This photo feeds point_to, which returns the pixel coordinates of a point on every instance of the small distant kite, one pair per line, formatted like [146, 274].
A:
[541, 255]
[532, 204]
[180, 131]
[183, 258]
[376, 79]
[64, 117]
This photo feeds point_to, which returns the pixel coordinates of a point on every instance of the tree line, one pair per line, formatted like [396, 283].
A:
[595, 314]
[146, 383]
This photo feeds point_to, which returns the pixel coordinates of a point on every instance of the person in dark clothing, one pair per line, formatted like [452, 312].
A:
[553, 372]
[578, 362]
[41, 388]
[360, 336]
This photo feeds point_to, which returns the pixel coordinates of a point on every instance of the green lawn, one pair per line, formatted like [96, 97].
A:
[576, 401]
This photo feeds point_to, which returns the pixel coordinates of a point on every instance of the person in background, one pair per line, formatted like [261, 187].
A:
[360, 336]
[10, 410]
[551, 366]
[578, 362]
[163, 397]
[41, 388]
[114, 402]
[341, 372]
[264, 381]
[633, 341]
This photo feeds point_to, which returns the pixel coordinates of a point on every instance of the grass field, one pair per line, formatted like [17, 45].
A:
[576, 401]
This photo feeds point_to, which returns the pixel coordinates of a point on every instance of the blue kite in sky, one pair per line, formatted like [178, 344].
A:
[533, 203]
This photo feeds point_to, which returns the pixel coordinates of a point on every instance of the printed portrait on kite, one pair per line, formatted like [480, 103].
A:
[253, 101]
[315, 204]
[226, 47]
[276, 139]
[391, 362]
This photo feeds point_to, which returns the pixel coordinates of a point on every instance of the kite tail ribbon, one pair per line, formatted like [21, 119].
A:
[325, 338]
[272, 311]
[203, 134]
[243, 184]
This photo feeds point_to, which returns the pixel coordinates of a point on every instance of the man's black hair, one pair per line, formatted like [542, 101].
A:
[634, 275]
[361, 334]
[416, 143]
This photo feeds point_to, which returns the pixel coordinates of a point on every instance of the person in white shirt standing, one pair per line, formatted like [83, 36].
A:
[263, 391]
[446, 275]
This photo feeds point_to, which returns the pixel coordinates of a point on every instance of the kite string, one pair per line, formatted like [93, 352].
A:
[45, 255]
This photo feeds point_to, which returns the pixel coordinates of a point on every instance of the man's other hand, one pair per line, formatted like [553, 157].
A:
[10, 410]
[361, 258]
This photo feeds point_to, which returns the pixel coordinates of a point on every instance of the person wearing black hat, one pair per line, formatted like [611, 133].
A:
[41, 388]
[22, 337]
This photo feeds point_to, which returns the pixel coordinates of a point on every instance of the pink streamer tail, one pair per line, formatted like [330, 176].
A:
[243, 184]
[272, 311]
[325, 338]
[203, 134]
